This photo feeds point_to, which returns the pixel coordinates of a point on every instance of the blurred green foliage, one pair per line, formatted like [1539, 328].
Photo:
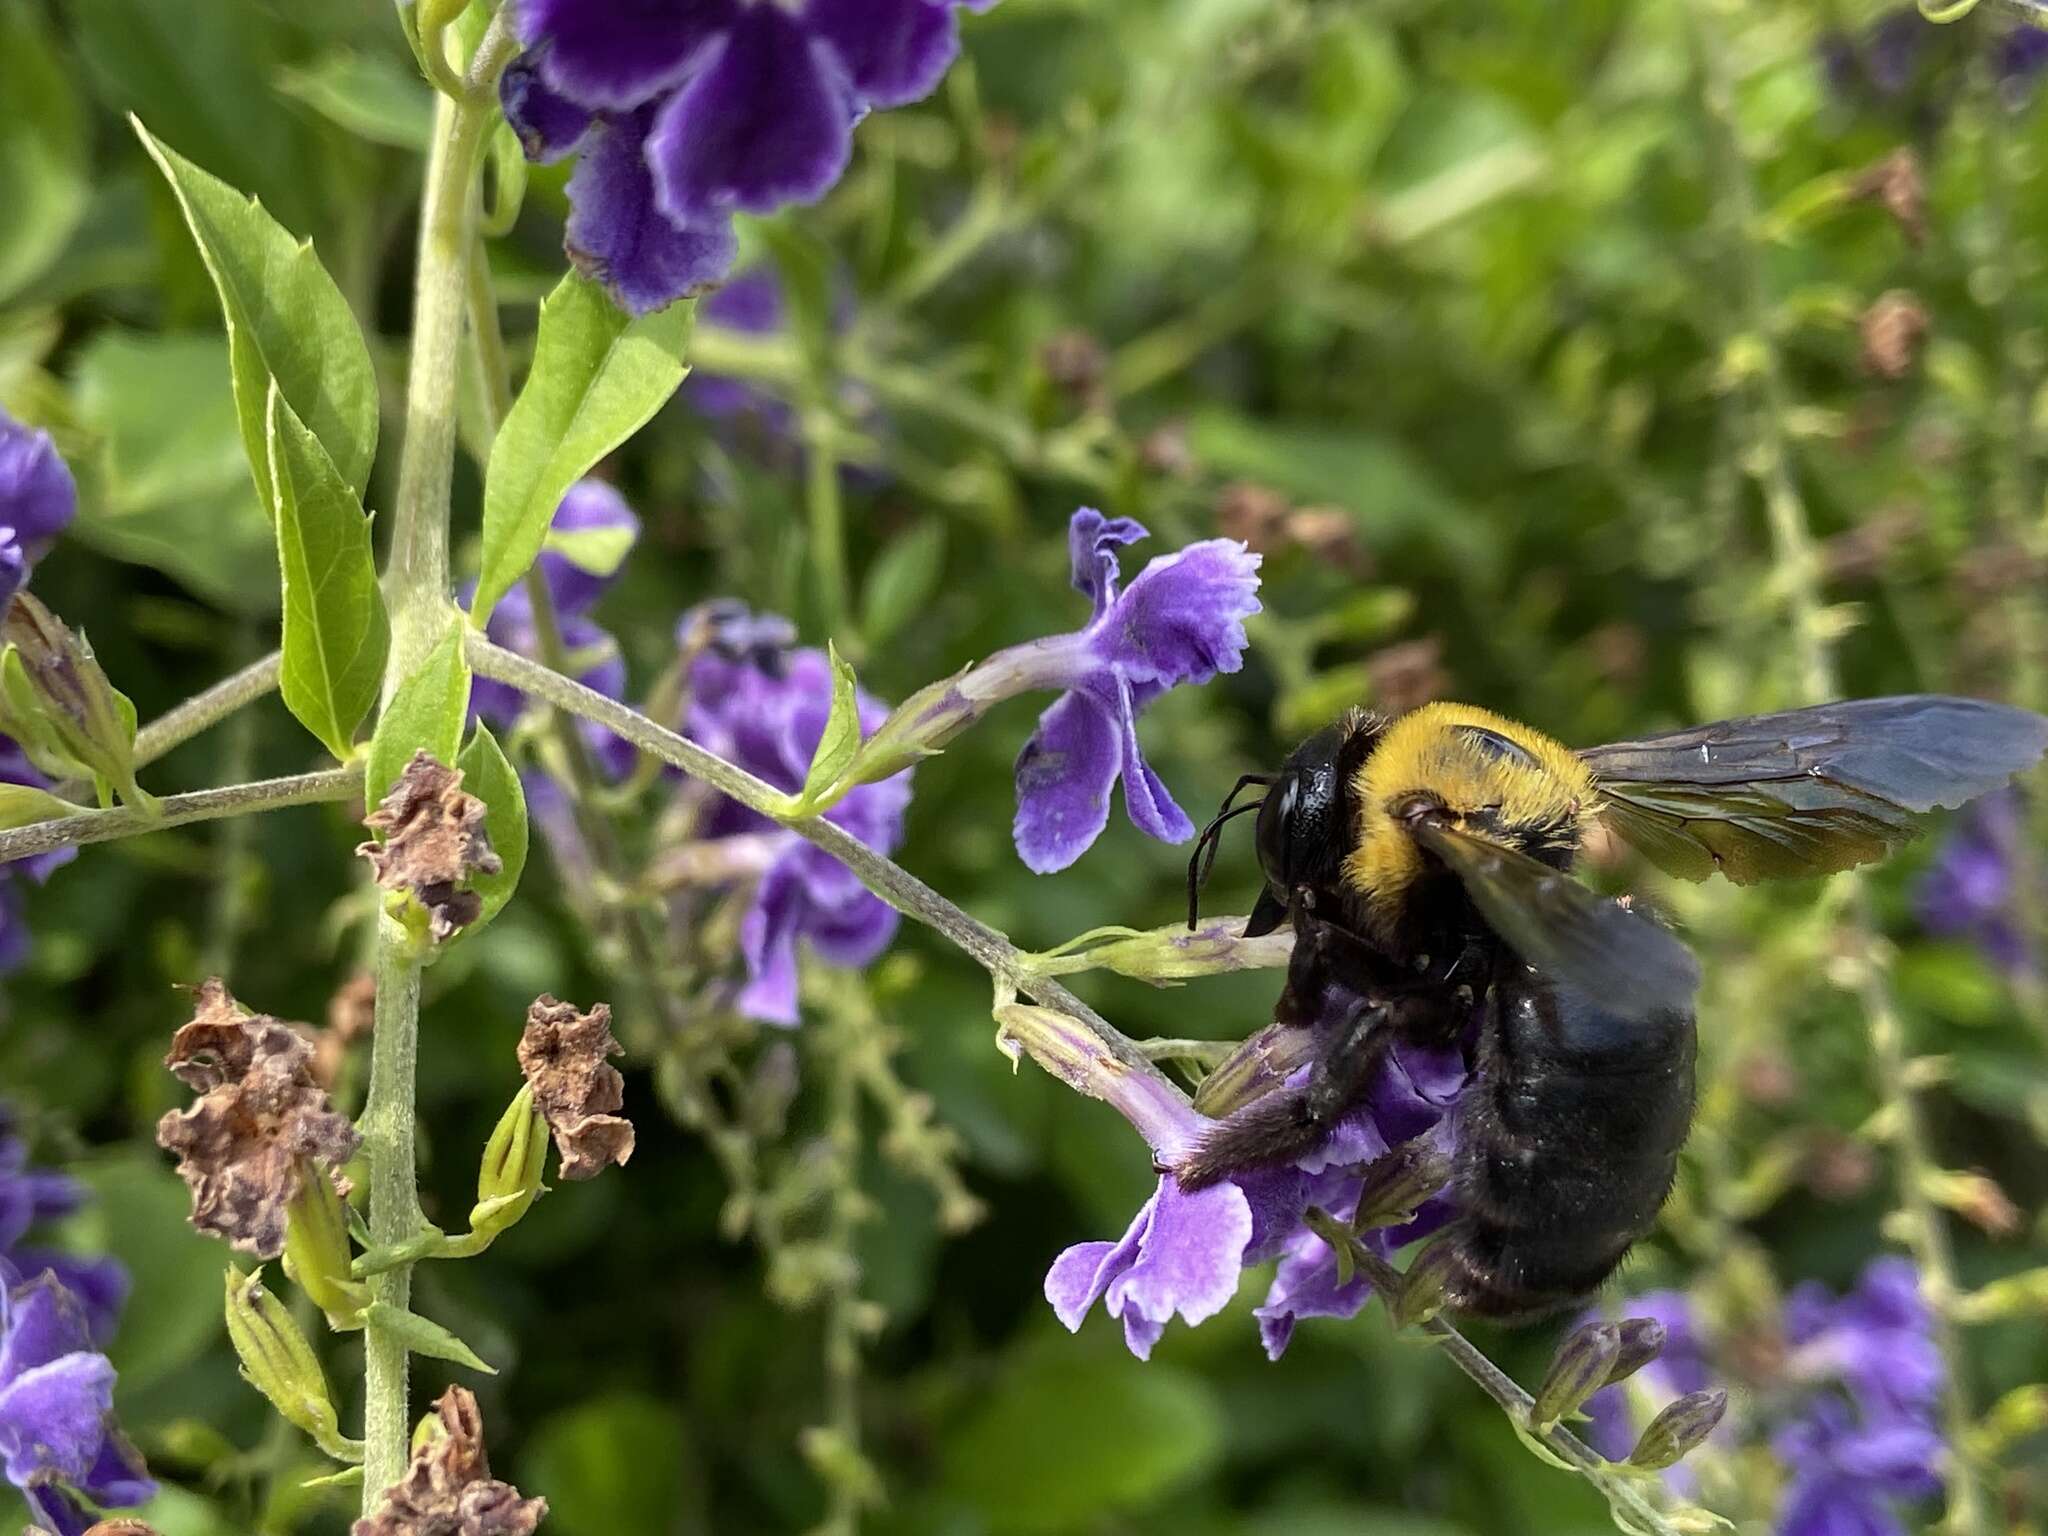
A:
[1456, 278]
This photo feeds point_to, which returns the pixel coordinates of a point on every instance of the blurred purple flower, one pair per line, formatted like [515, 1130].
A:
[588, 538]
[752, 305]
[2017, 61]
[1681, 1367]
[29, 1196]
[690, 111]
[1885, 56]
[15, 768]
[57, 1433]
[1185, 1253]
[764, 707]
[37, 500]
[1970, 892]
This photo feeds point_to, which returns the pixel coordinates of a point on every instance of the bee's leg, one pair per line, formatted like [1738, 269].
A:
[1292, 1122]
[1328, 955]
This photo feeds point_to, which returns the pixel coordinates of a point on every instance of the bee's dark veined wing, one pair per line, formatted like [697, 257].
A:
[1808, 791]
[1619, 957]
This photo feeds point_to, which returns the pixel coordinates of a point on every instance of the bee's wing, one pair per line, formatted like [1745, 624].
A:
[1809, 791]
[1631, 965]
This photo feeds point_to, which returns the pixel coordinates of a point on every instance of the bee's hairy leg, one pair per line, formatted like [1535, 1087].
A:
[1291, 1122]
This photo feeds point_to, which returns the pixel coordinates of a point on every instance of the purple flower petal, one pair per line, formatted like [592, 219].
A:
[768, 936]
[591, 508]
[100, 1285]
[37, 494]
[1182, 619]
[1092, 542]
[616, 54]
[1151, 807]
[1183, 1254]
[550, 126]
[618, 237]
[1064, 776]
[895, 51]
[1835, 1506]
[766, 120]
[42, 1323]
[53, 1418]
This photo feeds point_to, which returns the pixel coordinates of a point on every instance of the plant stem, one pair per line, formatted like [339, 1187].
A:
[1798, 569]
[179, 725]
[416, 588]
[178, 811]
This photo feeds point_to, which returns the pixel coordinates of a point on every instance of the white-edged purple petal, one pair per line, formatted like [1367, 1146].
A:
[1181, 620]
[549, 125]
[1092, 543]
[618, 237]
[766, 119]
[1064, 776]
[1151, 807]
[895, 51]
[612, 55]
[38, 497]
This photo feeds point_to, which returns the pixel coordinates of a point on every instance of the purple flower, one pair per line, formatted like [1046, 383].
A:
[57, 1433]
[694, 109]
[37, 500]
[1185, 1253]
[2017, 60]
[1181, 621]
[1969, 890]
[764, 708]
[588, 538]
[30, 1196]
[752, 305]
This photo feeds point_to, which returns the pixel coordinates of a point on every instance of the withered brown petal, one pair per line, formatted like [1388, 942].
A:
[562, 1053]
[120, 1528]
[448, 1489]
[261, 1123]
[432, 843]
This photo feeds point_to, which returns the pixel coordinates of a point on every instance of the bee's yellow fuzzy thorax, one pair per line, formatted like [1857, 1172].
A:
[1424, 752]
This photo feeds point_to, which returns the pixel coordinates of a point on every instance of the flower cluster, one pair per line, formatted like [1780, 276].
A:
[1898, 51]
[1849, 1409]
[57, 1433]
[1972, 890]
[31, 1196]
[589, 537]
[687, 113]
[758, 703]
[38, 499]
[1186, 1252]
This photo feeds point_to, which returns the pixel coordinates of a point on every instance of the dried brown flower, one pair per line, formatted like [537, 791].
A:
[563, 1056]
[1165, 450]
[1251, 513]
[1896, 185]
[1861, 553]
[1406, 676]
[1075, 364]
[351, 1015]
[1893, 328]
[259, 1126]
[1327, 533]
[120, 1528]
[448, 1489]
[432, 843]
[1838, 1167]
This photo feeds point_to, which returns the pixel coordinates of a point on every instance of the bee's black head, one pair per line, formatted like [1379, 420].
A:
[1302, 820]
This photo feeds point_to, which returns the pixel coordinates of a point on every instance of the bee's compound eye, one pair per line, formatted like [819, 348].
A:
[1276, 831]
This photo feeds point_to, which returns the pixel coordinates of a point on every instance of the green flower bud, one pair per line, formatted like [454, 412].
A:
[1642, 1340]
[1580, 1368]
[280, 1364]
[508, 1179]
[1398, 1182]
[1425, 1287]
[1679, 1429]
[56, 701]
[316, 1251]
[1254, 1069]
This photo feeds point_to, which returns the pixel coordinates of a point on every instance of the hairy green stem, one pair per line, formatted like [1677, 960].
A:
[1798, 570]
[178, 811]
[179, 725]
[416, 588]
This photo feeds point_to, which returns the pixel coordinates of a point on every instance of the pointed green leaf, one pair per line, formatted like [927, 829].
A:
[43, 170]
[597, 377]
[426, 711]
[489, 775]
[841, 738]
[286, 321]
[423, 1336]
[335, 632]
[23, 805]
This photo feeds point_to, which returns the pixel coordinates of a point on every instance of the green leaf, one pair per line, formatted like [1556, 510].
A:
[43, 183]
[597, 378]
[423, 1336]
[841, 738]
[369, 95]
[23, 805]
[600, 551]
[335, 632]
[170, 488]
[285, 319]
[489, 775]
[1065, 1437]
[903, 579]
[609, 1463]
[426, 711]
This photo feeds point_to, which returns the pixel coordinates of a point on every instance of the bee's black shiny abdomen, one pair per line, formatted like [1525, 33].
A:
[1567, 1136]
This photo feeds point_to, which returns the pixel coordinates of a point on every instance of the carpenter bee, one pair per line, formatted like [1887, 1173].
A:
[1425, 861]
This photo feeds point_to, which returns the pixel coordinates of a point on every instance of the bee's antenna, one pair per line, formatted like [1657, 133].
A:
[1204, 857]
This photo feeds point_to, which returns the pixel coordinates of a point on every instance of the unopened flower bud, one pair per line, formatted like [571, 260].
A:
[1679, 1429]
[1255, 1069]
[1582, 1366]
[278, 1361]
[316, 1251]
[1165, 956]
[1398, 1182]
[57, 703]
[1642, 1340]
[508, 1179]
[1425, 1287]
